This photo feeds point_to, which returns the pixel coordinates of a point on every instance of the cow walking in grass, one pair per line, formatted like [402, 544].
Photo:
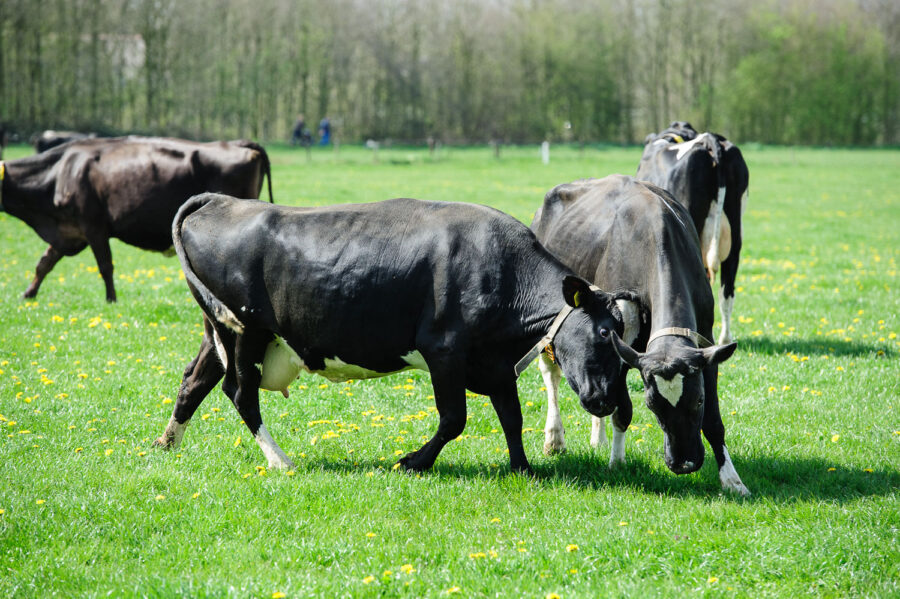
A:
[632, 238]
[707, 174]
[87, 191]
[360, 291]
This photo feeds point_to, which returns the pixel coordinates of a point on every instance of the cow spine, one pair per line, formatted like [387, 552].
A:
[212, 305]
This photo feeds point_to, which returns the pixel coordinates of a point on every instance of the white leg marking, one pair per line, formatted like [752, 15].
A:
[598, 432]
[617, 453]
[729, 477]
[670, 388]
[631, 317]
[174, 433]
[726, 305]
[554, 433]
[276, 457]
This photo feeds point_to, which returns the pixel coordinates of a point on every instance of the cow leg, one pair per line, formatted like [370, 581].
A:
[44, 266]
[100, 246]
[728, 274]
[242, 387]
[200, 376]
[621, 420]
[554, 433]
[598, 432]
[506, 404]
[450, 397]
[714, 431]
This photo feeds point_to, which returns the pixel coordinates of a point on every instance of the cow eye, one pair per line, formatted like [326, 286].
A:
[604, 333]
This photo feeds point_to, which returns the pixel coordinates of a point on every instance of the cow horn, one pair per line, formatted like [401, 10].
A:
[625, 352]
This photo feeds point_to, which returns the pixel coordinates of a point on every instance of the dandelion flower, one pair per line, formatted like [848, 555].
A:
[571, 547]
[407, 569]
[368, 579]
[371, 535]
[712, 579]
[160, 497]
[278, 595]
[40, 502]
[835, 438]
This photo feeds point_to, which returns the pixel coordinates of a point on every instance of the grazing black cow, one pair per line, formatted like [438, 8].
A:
[708, 175]
[362, 290]
[50, 139]
[633, 239]
[85, 192]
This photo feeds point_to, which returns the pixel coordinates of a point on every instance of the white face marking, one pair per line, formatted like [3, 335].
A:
[631, 316]
[670, 389]
[729, 478]
[275, 456]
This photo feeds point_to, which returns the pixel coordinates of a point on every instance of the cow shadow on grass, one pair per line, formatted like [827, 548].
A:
[782, 480]
[815, 347]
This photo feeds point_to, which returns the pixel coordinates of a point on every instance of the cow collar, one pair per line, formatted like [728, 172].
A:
[694, 336]
[547, 339]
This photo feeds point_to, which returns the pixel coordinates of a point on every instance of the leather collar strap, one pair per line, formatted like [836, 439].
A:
[694, 336]
[547, 339]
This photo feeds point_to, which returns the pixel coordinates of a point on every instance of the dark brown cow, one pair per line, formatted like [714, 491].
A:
[85, 192]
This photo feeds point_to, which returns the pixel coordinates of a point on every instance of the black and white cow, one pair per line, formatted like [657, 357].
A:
[633, 239]
[708, 175]
[360, 291]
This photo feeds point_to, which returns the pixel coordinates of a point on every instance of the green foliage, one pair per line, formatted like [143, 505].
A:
[809, 403]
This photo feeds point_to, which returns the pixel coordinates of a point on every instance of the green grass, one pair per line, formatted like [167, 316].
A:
[810, 403]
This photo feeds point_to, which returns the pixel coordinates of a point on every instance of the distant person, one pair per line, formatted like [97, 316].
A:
[301, 134]
[324, 132]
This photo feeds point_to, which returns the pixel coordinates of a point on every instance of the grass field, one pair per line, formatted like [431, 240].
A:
[811, 403]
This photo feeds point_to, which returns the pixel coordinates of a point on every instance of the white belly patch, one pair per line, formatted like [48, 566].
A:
[670, 389]
[281, 365]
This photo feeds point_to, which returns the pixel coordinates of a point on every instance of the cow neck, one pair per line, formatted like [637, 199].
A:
[672, 318]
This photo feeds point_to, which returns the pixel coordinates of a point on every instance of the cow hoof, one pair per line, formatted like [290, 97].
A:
[411, 464]
[554, 447]
[163, 443]
[616, 462]
[737, 488]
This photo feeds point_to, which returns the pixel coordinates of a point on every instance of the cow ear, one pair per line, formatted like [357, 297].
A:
[626, 353]
[576, 291]
[718, 353]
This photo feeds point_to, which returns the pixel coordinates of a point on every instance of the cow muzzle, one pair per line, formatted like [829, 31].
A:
[684, 462]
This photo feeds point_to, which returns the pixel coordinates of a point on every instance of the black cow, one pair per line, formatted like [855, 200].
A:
[632, 238]
[708, 175]
[50, 139]
[85, 192]
[360, 291]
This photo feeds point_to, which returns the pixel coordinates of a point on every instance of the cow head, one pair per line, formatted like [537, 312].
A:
[673, 374]
[583, 346]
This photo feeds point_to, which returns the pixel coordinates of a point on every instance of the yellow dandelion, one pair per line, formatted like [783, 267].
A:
[289, 473]
[40, 502]
[623, 523]
[553, 596]
[195, 495]
[495, 520]
[79, 449]
[571, 547]
[407, 568]
[2, 511]
[371, 535]
[712, 579]
[160, 497]
[452, 590]
[832, 469]
[278, 595]
[237, 441]
[368, 579]
[835, 438]
[248, 475]
[869, 470]
[108, 452]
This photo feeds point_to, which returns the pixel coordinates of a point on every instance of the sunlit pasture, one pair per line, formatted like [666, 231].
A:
[810, 401]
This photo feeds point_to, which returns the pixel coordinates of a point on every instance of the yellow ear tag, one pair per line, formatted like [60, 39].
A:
[2, 171]
[577, 299]
[678, 139]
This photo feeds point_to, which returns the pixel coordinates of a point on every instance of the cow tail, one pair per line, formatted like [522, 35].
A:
[212, 306]
[267, 167]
